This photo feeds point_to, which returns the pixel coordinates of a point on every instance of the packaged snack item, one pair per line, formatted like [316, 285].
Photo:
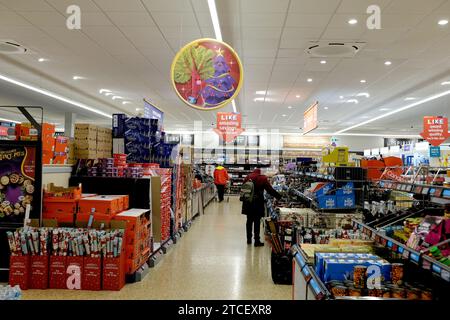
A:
[360, 276]
[397, 273]
[339, 291]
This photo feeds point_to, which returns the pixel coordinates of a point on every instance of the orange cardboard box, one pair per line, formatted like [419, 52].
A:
[59, 217]
[102, 204]
[62, 206]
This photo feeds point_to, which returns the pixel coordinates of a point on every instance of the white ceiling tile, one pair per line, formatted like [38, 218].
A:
[199, 5]
[401, 20]
[346, 34]
[445, 8]
[171, 5]
[308, 20]
[134, 19]
[27, 5]
[384, 35]
[228, 20]
[360, 6]
[341, 21]
[95, 19]
[120, 5]
[290, 53]
[413, 6]
[208, 32]
[85, 5]
[264, 6]
[181, 33]
[252, 53]
[297, 60]
[145, 37]
[263, 20]
[204, 19]
[256, 44]
[301, 33]
[314, 6]
[294, 44]
[8, 18]
[261, 33]
[44, 18]
[171, 19]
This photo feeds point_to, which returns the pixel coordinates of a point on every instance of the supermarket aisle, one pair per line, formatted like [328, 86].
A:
[212, 261]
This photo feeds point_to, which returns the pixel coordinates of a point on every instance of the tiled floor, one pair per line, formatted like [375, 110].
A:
[211, 261]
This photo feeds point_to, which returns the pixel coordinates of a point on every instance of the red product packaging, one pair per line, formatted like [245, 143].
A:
[58, 265]
[19, 271]
[114, 273]
[92, 274]
[74, 273]
[39, 272]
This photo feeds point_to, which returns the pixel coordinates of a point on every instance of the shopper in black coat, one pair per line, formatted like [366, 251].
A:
[255, 210]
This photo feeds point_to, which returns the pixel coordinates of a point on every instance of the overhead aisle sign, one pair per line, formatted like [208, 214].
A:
[435, 130]
[229, 125]
[310, 118]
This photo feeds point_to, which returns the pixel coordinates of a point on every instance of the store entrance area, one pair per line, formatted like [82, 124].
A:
[212, 261]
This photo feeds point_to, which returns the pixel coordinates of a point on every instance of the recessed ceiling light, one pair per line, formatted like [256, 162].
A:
[341, 97]
[326, 108]
[263, 92]
[108, 94]
[353, 101]
[363, 94]
[284, 115]
[365, 117]
[323, 61]
[103, 90]
[42, 59]
[117, 97]
[410, 98]
[77, 78]
[309, 80]
[445, 83]
[258, 99]
[298, 96]
[352, 21]
[290, 107]
[363, 81]
[138, 109]
[384, 109]
[126, 102]
[388, 63]
[443, 22]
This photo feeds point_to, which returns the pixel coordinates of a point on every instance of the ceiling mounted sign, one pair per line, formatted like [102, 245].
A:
[207, 74]
[229, 125]
[435, 130]
[310, 118]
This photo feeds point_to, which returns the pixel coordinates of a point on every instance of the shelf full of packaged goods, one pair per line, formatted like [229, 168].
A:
[437, 194]
[438, 269]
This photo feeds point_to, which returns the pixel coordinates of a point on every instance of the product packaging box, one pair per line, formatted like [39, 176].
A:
[346, 189]
[347, 201]
[327, 202]
[75, 272]
[109, 205]
[58, 269]
[39, 272]
[321, 256]
[118, 125]
[19, 271]
[62, 206]
[119, 146]
[92, 274]
[340, 269]
[114, 273]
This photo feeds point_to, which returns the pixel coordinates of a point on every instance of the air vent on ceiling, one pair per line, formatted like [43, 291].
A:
[334, 49]
[11, 47]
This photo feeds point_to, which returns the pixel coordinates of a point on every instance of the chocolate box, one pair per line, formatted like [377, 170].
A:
[19, 271]
[92, 274]
[74, 273]
[58, 268]
[39, 272]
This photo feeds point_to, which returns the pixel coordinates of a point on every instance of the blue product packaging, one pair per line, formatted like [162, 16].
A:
[326, 202]
[324, 190]
[342, 269]
[345, 190]
[320, 257]
[347, 201]
[118, 125]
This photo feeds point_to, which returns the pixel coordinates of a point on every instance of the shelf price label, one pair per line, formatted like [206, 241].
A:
[400, 250]
[315, 286]
[445, 275]
[436, 269]
[414, 257]
[389, 244]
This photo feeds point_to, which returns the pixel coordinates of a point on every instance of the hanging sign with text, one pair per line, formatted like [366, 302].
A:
[435, 130]
[229, 125]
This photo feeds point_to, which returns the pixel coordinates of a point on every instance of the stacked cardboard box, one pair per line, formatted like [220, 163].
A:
[104, 142]
[86, 141]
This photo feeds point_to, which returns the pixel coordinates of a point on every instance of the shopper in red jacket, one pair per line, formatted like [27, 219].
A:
[220, 180]
[255, 210]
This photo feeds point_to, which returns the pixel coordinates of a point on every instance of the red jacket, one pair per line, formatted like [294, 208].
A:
[221, 176]
[261, 183]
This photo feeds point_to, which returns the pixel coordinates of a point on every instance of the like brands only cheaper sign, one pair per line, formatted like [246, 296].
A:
[229, 125]
[435, 130]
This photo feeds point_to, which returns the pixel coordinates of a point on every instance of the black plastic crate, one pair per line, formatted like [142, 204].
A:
[281, 266]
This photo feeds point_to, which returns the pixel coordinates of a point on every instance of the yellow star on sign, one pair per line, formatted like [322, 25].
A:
[219, 52]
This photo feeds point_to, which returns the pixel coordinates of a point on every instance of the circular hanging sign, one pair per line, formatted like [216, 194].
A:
[207, 74]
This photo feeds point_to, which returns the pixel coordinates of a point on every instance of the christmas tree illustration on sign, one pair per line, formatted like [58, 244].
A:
[207, 74]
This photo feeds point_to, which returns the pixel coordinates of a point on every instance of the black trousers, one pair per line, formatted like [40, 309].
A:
[253, 222]
[220, 191]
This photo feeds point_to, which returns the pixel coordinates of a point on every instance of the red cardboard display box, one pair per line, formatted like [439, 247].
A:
[19, 271]
[102, 204]
[114, 273]
[63, 206]
[92, 274]
[58, 269]
[39, 272]
[70, 281]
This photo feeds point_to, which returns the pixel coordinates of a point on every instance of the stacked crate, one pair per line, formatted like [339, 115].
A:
[166, 200]
[138, 237]
[104, 142]
[86, 141]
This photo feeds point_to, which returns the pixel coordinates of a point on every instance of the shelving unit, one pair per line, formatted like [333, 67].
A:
[407, 253]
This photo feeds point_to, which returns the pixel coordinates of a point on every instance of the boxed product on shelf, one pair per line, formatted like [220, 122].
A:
[321, 257]
[118, 125]
[341, 269]
[345, 201]
[105, 204]
[327, 202]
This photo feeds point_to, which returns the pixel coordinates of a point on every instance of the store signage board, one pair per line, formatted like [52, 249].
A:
[435, 130]
[207, 74]
[310, 118]
[229, 125]
[367, 152]
[153, 112]
[435, 152]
